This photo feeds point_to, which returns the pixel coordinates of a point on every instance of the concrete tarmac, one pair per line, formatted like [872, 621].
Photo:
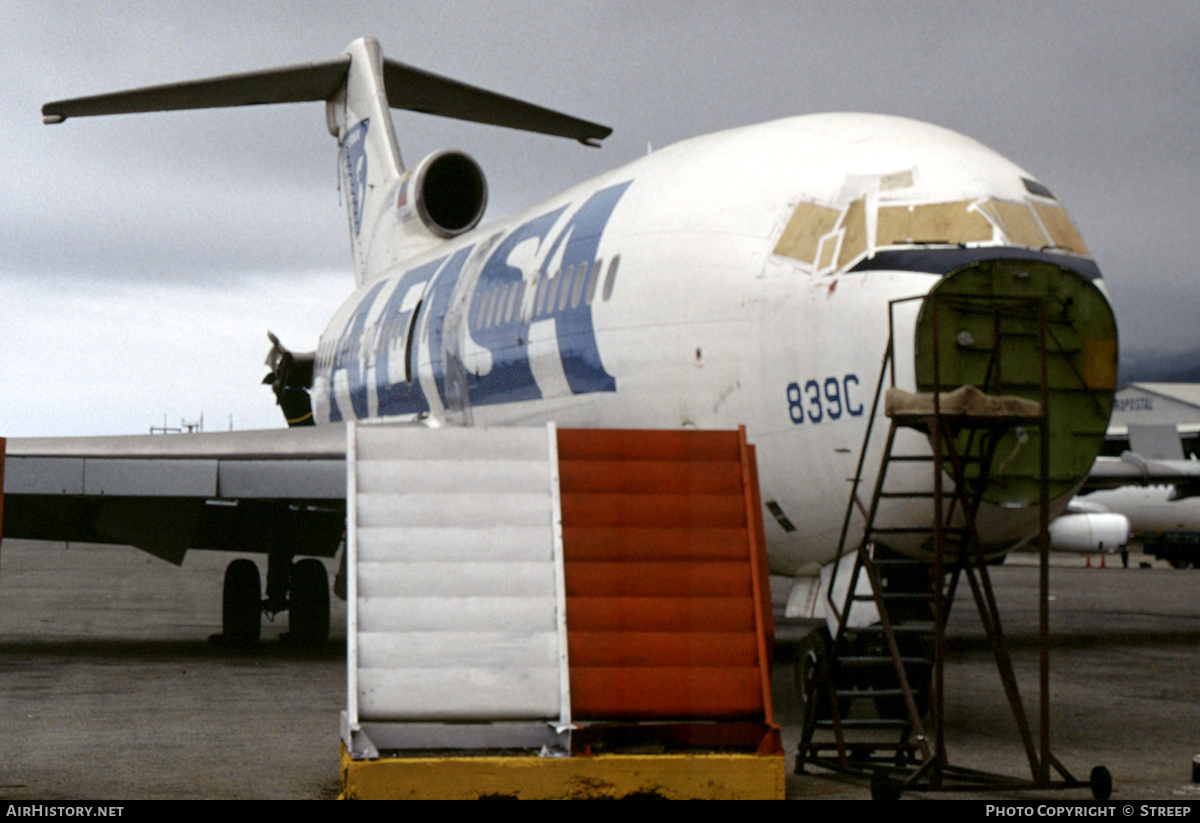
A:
[111, 690]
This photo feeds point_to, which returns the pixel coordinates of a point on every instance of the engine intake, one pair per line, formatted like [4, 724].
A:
[449, 192]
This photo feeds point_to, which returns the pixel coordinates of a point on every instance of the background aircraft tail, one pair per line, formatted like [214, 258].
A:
[358, 87]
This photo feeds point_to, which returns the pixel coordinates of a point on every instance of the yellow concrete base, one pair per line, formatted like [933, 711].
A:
[466, 777]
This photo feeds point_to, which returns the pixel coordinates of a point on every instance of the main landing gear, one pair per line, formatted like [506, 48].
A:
[241, 603]
[301, 588]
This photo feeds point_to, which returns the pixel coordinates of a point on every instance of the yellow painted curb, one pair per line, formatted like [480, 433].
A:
[466, 777]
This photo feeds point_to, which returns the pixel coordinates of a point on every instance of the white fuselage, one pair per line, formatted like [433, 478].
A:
[733, 279]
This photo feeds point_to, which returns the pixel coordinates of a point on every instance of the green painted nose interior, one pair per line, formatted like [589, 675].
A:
[987, 335]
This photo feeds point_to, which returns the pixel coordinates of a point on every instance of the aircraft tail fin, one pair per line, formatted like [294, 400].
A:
[358, 87]
[407, 88]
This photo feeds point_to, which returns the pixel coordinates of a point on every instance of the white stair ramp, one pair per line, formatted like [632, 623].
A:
[456, 635]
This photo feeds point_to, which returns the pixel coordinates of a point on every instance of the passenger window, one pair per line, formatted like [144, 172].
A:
[577, 286]
[497, 306]
[612, 277]
[552, 292]
[514, 300]
[593, 280]
[564, 288]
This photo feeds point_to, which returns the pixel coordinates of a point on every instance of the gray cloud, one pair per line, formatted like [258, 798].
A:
[202, 228]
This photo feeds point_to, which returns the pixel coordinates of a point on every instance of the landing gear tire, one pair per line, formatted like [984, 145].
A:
[308, 605]
[1101, 780]
[812, 660]
[883, 787]
[241, 603]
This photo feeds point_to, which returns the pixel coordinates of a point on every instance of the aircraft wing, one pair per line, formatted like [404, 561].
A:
[239, 491]
[1132, 469]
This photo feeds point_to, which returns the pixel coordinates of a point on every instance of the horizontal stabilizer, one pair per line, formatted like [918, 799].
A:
[417, 90]
[301, 83]
[407, 88]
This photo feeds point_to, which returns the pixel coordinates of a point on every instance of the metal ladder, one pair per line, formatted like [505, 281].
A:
[895, 663]
[909, 638]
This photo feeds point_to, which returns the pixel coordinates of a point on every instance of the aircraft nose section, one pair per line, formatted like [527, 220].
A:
[1032, 329]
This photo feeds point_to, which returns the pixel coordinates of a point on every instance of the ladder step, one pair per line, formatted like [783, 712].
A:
[854, 693]
[867, 723]
[901, 628]
[906, 596]
[862, 661]
[897, 562]
[909, 596]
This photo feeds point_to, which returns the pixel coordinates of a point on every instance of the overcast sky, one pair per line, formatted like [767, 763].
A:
[144, 257]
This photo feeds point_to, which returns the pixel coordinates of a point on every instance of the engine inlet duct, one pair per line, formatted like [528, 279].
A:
[449, 192]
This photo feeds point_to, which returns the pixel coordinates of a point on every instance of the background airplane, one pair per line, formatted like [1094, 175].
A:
[1152, 492]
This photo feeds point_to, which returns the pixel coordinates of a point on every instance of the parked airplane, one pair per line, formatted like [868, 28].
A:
[742, 277]
[1152, 491]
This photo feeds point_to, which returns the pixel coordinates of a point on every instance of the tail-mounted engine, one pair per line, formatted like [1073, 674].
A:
[447, 191]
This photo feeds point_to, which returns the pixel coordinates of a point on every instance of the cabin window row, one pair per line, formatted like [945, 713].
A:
[566, 288]
[555, 293]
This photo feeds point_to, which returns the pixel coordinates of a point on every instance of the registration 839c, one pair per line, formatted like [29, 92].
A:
[826, 399]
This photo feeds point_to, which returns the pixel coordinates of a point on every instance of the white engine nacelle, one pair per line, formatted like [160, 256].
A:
[449, 192]
[1093, 532]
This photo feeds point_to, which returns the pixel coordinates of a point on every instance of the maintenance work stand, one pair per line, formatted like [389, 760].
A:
[873, 685]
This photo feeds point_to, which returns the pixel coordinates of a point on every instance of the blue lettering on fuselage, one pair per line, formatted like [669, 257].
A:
[350, 356]
[580, 243]
[510, 378]
[395, 367]
[498, 316]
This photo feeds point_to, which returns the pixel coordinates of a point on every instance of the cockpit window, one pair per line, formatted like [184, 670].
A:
[1063, 234]
[1034, 187]
[830, 240]
[948, 223]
